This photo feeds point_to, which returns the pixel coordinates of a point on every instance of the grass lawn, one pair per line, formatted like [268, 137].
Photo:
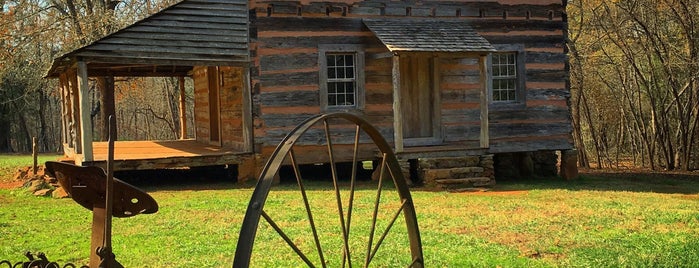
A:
[600, 220]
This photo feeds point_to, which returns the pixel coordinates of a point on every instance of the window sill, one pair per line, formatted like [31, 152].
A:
[356, 110]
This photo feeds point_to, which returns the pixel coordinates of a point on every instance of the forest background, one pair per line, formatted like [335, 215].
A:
[634, 78]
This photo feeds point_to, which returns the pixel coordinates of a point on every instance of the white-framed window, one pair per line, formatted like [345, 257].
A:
[505, 77]
[341, 77]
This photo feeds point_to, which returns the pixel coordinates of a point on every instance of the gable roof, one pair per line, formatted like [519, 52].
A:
[428, 35]
[188, 33]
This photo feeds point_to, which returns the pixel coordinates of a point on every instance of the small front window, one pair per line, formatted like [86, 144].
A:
[504, 71]
[341, 77]
[341, 82]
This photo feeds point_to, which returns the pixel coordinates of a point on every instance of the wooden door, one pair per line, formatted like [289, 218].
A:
[418, 98]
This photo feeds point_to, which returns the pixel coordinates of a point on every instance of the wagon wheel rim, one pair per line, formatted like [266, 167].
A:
[389, 168]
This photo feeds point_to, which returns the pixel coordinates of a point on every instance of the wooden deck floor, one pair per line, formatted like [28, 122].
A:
[135, 150]
[133, 155]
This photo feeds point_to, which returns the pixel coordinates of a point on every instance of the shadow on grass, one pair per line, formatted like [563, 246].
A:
[621, 181]
[319, 179]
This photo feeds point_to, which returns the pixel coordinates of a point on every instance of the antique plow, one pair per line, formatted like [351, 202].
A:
[108, 197]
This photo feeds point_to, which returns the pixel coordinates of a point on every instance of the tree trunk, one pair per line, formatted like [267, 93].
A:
[43, 136]
[5, 146]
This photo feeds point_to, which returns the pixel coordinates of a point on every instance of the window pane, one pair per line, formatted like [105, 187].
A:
[349, 60]
[504, 72]
[341, 86]
[349, 72]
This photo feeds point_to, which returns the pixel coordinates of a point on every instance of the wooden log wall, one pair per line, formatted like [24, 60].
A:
[285, 36]
[542, 121]
[286, 79]
[460, 94]
[201, 104]
[231, 101]
[229, 82]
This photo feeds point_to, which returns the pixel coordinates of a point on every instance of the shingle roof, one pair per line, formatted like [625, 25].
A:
[428, 35]
[188, 33]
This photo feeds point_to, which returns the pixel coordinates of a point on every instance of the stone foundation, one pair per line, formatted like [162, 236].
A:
[526, 164]
[456, 173]
[569, 164]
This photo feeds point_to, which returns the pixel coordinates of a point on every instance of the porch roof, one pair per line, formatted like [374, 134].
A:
[168, 43]
[428, 35]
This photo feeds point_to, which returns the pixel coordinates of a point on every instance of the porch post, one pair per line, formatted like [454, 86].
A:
[485, 85]
[183, 110]
[248, 132]
[75, 135]
[397, 110]
[85, 119]
[64, 90]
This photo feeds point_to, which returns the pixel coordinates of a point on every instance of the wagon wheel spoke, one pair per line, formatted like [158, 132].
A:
[345, 212]
[338, 197]
[286, 238]
[309, 213]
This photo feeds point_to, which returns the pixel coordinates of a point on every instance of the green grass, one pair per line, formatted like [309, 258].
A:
[597, 221]
[9, 163]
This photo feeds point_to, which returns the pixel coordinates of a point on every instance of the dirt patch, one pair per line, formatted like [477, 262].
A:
[498, 193]
[11, 184]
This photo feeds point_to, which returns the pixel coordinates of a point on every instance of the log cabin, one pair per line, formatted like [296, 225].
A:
[463, 90]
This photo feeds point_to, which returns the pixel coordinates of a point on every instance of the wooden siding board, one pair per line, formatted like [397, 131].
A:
[155, 50]
[542, 143]
[379, 97]
[226, 6]
[290, 98]
[183, 33]
[288, 61]
[548, 94]
[462, 132]
[542, 114]
[314, 41]
[484, 26]
[214, 14]
[179, 43]
[198, 25]
[546, 75]
[294, 79]
[316, 136]
[168, 59]
[459, 96]
[310, 24]
[545, 57]
[285, 120]
[194, 37]
[507, 130]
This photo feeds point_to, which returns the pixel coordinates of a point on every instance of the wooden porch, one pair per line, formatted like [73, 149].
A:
[142, 155]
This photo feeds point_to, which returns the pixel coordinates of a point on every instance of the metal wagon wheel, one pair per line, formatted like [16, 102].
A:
[389, 168]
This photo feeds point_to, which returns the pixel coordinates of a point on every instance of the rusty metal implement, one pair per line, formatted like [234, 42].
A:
[105, 196]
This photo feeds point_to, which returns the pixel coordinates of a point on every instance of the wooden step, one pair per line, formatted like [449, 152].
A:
[481, 181]
[451, 173]
[449, 162]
